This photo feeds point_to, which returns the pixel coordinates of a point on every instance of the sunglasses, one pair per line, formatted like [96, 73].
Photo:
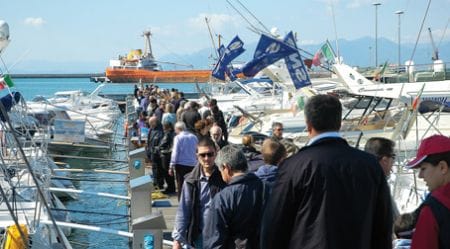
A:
[209, 154]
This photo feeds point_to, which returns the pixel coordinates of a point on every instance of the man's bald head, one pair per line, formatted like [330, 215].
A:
[216, 133]
[153, 121]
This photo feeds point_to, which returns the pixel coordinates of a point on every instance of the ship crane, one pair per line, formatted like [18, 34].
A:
[148, 46]
[435, 55]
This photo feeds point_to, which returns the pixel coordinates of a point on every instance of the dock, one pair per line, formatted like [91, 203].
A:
[151, 220]
[56, 75]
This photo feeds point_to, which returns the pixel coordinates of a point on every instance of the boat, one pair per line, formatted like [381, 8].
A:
[140, 66]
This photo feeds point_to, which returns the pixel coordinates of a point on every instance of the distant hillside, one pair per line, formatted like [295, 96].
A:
[359, 52]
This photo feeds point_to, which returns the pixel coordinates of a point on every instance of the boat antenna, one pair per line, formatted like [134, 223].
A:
[211, 36]
[443, 34]
[253, 28]
[248, 11]
[335, 32]
[420, 31]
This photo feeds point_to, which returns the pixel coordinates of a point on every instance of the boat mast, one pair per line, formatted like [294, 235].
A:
[212, 38]
[148, 46]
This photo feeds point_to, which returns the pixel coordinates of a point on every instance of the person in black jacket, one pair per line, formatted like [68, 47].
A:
[165, 147]
[328, 195]
[235, 217]
[199, 188]
[219, 119]
[153, 153]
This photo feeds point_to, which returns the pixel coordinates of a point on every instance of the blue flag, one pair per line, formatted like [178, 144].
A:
[233, 50]
[295, 65]
[221, 50]
[268, 51]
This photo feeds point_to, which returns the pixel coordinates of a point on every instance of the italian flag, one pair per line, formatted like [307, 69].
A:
[6, 81]
[325, 53]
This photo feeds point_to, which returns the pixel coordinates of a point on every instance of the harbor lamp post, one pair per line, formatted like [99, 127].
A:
[399, 13]
[376, 32]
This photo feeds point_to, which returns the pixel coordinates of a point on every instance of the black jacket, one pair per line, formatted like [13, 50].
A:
[154, 138]
[191, 180]
[329, 195]
[166, 143]
[220, 120]
[235, 216]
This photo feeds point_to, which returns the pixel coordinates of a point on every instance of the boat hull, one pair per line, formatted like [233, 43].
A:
[127, 75]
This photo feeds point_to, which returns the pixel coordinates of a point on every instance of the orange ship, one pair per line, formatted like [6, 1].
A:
[140, 66]
[127, 75]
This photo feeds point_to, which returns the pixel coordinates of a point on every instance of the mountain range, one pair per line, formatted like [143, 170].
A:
[359, 52]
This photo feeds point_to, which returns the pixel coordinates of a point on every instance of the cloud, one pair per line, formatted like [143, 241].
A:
[307, 42]
[34, 21]
[358, 3]
[216, 21]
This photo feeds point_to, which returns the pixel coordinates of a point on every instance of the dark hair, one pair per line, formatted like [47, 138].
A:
[200, 125]
[324, 112]
[380, 146]
[193, 105]
[213, 102]
[215, 109]
[144, 113]
[206, 142]
[434, 159]
[273, 151]
[276, 124]
[167, 126]
[405, 223]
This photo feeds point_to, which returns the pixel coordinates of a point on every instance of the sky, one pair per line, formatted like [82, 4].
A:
[69, 31]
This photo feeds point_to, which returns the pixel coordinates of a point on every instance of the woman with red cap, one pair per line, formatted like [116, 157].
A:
[433, 225]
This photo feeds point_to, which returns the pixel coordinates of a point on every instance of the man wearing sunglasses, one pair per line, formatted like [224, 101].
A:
[383, 149]
[277, 131]
[199, 187]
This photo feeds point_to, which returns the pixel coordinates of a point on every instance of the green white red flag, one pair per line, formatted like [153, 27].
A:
[325, 53]
[6, 81]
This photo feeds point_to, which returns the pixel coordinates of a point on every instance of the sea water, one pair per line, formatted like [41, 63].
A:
[32, 87]
[93, 210]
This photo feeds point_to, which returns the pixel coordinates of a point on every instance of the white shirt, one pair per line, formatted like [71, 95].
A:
[323, 135]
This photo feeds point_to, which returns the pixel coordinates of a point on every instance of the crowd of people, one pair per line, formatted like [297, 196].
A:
[326, 194]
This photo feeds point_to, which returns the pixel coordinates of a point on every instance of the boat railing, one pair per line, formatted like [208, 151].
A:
[438, 71]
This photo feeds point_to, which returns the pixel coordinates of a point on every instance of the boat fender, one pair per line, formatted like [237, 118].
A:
[13, 239]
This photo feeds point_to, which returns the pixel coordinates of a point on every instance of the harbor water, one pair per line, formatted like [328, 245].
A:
[93, 210]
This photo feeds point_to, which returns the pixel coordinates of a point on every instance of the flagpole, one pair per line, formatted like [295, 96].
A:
[335, 32]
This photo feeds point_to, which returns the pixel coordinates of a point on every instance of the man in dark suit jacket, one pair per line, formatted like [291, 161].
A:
[328, 195]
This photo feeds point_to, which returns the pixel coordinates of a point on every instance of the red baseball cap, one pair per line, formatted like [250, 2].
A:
[430, 145]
